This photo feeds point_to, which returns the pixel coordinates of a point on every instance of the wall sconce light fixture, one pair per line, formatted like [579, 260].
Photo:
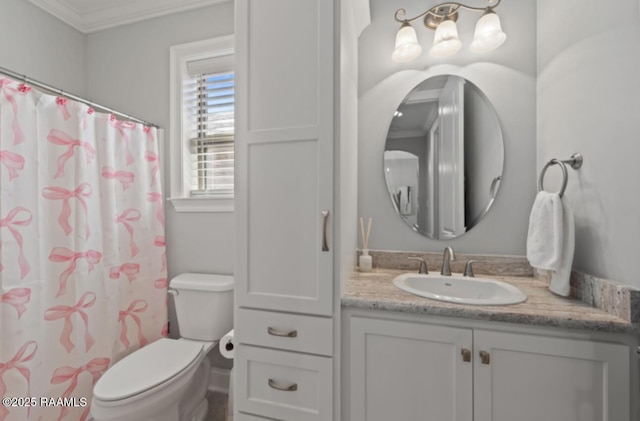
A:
[442, 18]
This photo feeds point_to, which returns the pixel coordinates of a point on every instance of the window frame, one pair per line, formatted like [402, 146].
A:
[180, 55]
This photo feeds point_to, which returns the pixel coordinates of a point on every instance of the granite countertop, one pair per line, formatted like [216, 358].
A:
[375, 290]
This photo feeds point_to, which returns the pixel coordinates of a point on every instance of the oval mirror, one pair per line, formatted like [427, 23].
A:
[443, 157]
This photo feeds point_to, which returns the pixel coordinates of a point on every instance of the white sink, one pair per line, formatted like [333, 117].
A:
[461, 290]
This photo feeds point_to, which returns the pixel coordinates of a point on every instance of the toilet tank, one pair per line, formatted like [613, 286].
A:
[204, 305]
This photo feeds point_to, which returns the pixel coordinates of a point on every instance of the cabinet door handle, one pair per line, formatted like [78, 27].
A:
[278, 386]
[485, 357]
[466, 355]
[325, 221]
[286, 334]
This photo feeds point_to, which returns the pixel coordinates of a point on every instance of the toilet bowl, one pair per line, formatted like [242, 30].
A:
[167, 380]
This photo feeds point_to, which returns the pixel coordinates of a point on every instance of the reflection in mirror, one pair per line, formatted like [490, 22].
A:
[443, 157]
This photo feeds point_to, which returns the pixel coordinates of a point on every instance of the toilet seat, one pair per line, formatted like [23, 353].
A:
[159, 363]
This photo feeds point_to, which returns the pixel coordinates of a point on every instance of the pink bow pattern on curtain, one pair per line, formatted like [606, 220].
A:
[17, 362]
[122, 127]
[62, 254]
[125, 178]
[80, 238]
[136, 307]
[11, 224]
[9, 93]
[130, 215]
[18, 298]
[96, 367]
[12, 162]
[60, 138]
[160, 242]
[65, 312]
[153, 158]
[82, 192]
[130, 270]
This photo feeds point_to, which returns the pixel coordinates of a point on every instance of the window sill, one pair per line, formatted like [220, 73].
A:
[202, 204]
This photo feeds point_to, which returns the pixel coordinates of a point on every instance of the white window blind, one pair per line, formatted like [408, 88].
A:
[208, 105]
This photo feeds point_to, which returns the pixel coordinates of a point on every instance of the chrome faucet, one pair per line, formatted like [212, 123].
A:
[446, 258]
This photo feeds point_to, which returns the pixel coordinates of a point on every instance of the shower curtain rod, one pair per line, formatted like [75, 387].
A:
[62, 93]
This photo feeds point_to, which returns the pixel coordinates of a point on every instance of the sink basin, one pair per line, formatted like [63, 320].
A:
[459, 289]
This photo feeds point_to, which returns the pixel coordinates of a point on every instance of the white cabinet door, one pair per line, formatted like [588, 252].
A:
[409, 371]
[284, 155]
[533, 378]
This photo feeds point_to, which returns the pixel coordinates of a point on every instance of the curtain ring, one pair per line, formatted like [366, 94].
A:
[565, 176]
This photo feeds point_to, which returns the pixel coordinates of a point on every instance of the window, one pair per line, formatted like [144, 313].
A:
[202, 120]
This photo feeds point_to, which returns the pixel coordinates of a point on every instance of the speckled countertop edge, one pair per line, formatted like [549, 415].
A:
[375, 290]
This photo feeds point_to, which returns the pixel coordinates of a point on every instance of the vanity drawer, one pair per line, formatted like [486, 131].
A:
[285, 331]
[284, 385]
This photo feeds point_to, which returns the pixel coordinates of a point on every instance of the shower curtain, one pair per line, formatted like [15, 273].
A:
[82, 251]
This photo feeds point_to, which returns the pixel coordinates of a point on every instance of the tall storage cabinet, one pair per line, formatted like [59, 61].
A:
[289, 207]
[284, 155]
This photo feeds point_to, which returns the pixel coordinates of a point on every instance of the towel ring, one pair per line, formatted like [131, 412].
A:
[565, 175]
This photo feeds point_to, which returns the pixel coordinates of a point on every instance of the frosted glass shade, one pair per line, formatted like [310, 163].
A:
[446, 42]
[407, 47]
[488, 35]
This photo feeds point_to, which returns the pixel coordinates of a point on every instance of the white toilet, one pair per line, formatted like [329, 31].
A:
[167, 380]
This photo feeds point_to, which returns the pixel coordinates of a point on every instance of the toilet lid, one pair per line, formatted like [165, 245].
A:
[146, 368]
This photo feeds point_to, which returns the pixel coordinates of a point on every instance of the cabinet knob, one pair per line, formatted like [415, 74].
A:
[466, 355]
[285, 334]
[485, 357]
[285, 388]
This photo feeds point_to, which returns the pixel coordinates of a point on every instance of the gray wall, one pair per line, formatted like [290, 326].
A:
[36, 44]
[507, 76]
[128, 69]
[589, 101]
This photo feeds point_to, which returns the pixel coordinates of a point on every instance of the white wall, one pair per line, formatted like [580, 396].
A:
[35, 44]
[128, 70]
[507, 76]
[589, 102]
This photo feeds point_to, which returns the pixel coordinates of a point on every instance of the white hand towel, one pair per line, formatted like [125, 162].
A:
[545, 237]
[560, 278]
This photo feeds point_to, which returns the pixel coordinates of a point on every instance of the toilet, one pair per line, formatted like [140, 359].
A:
[167, 380]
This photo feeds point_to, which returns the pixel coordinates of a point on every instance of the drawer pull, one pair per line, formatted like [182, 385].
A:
[290, 388]
[466, 355]
[285, 334]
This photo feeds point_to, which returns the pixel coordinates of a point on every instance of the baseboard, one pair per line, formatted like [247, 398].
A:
[219, 380]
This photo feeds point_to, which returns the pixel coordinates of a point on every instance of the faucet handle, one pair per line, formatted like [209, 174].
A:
[468, 269]
[423, 265]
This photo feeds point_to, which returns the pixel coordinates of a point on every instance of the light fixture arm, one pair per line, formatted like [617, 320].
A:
[440, 12]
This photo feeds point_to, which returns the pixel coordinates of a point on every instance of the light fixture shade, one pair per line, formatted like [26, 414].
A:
[488, 35]
[446, 42]
[407, 47]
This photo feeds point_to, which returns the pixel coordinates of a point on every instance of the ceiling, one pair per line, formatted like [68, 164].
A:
[95, 15]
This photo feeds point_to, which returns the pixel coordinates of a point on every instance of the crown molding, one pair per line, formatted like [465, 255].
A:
[116, 13]
[62, 11]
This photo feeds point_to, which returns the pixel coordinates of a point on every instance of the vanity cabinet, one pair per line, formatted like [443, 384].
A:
[409, 369]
